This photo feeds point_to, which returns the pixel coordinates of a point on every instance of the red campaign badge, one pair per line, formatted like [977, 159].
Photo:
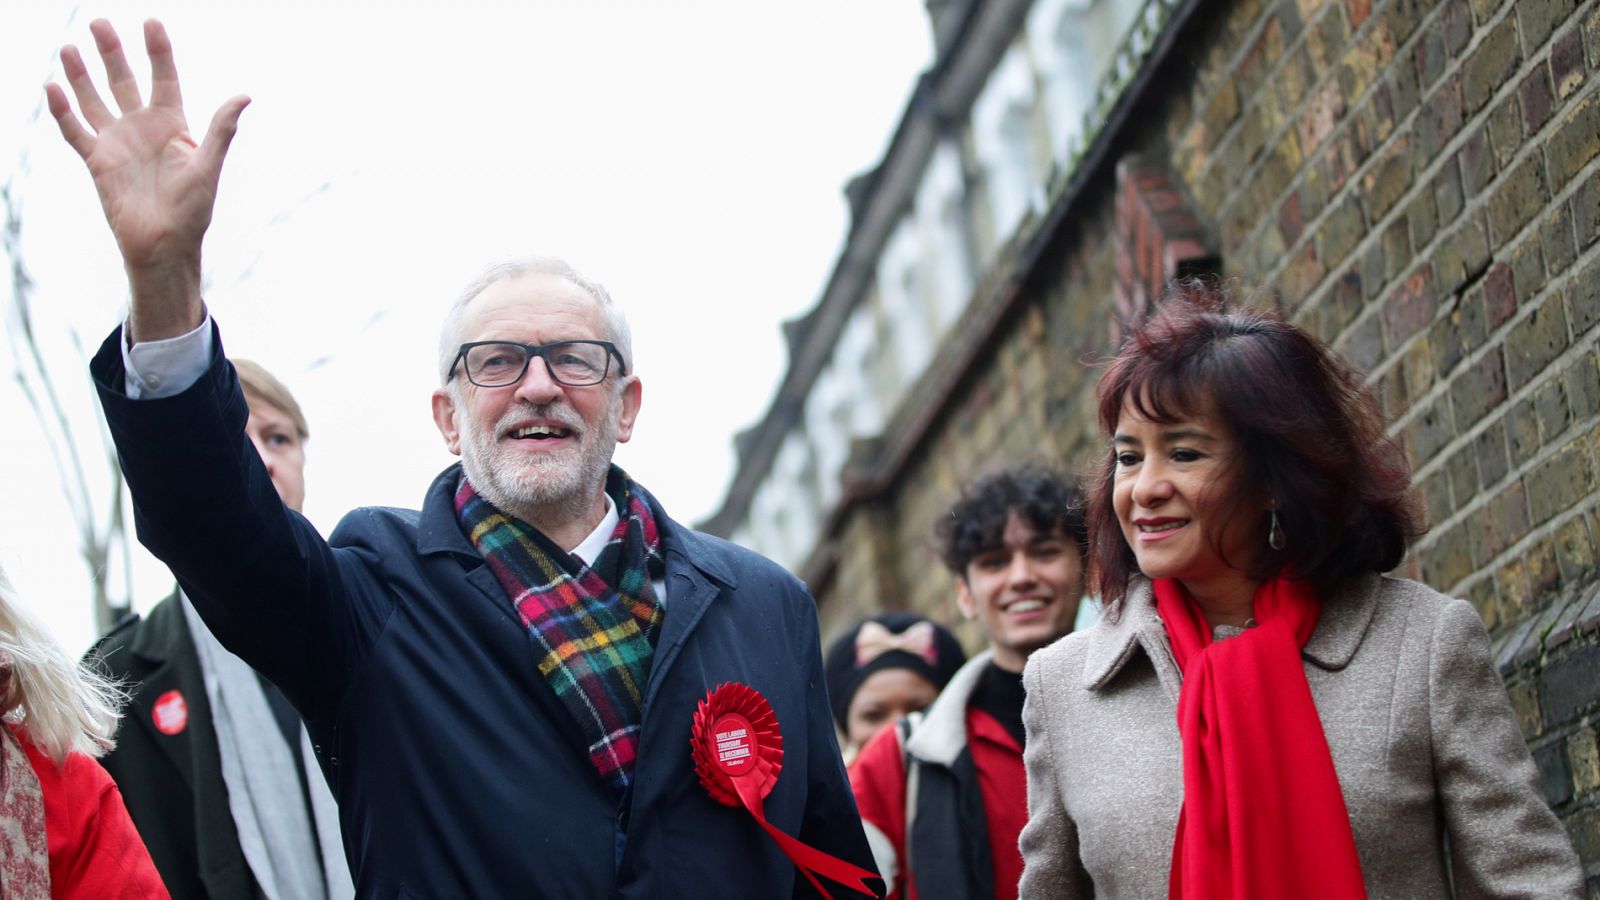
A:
[737, 749]
[171, 713]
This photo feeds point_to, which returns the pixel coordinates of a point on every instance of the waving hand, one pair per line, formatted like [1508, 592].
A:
[156, 185]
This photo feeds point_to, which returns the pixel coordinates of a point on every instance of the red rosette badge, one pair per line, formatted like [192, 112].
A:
[738, 754]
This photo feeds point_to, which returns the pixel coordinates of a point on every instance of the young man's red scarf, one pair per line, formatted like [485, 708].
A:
[1263, 815]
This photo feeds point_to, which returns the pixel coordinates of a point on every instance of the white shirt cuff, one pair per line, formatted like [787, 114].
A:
[165, 368]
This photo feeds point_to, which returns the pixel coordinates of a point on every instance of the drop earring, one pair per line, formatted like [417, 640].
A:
[1275, 532]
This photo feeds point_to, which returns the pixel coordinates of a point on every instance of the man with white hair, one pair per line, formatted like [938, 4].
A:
[524, 689]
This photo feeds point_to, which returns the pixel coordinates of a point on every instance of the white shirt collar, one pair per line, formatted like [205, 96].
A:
[589, 549]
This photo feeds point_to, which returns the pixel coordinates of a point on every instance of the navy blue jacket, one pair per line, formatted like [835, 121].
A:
[457, 771]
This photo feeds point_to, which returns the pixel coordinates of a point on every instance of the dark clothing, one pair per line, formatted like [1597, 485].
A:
[945, 795]
[457, 770]
[1000, 694]
[172, 782]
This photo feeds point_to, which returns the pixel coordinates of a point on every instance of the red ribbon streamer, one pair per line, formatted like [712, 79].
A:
[737, 749]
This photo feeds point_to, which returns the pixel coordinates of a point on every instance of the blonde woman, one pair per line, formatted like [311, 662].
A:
[64, 832]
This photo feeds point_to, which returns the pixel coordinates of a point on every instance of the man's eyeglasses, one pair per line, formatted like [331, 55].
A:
[573, 363]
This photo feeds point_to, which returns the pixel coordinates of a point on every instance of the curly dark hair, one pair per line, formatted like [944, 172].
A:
[976, 522]
[1310, 436]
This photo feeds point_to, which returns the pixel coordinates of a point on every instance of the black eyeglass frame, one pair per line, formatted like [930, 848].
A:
[542, 351]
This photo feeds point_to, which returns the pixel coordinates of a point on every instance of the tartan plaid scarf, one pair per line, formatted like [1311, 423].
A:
[595, 626]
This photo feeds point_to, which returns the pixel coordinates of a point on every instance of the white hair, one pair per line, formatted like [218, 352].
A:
[616, 323]
[61, 704]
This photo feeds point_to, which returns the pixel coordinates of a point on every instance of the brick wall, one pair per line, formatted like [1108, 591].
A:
[1419, 184]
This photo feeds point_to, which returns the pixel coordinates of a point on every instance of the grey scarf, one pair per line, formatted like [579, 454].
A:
[264, 795]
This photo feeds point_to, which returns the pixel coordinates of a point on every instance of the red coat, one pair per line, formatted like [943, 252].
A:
[95, 853]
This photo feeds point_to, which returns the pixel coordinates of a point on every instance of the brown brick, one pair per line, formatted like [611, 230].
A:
[1523, 191]
[1462, 468]
[1341, 231]
[1430, 57]
[1476, 161]
[1447, 197]
[1556, 239]
[1455, 23]
[1537, 18]
[1550, 405]
[1302, 275]
[1566, 63]
[1575, 141]
[1364, 59]
[1436, 497]
[1583, 387]
[1525, 705]
[1522, 432]
[1496, 57]
[1536, 98]
[1418, 367]
[1460, 255]
[1470, 318]
[1394, 401]
[1449, 560]
[1527, 262]
[1561, 481]
[1591, 37]
[1500, 295]
[1405, 15]
[1358, 10]
[1511, 583]
[1585, 761]
[1544, 575]
[1372, 274]
[1583, 299]
[1535, 341]
[1363, 344]
[1585, 207]
[1439, 118]
[1449, 347]
[1326, 36]
[1294, 79]
[1220, 111]
[1410, 307]
[1575, 551]
[1505, 519]
[1479, 388]
[1490, 447]
[1388, 179]
[1422, 218]
[1483, 10]
[1505, 130]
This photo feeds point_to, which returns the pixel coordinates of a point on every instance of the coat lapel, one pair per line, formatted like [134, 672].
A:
[168, 667]
[695, 576]
[1344, 623]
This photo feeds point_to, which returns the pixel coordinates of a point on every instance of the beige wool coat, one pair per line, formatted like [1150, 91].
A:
[1421, 733]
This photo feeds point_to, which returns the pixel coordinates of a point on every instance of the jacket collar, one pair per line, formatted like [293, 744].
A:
[438, 531]
[1346, 616]
[160, 639]
[942, 734]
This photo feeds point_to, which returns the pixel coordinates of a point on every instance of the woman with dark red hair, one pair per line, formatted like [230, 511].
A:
[1261, 712]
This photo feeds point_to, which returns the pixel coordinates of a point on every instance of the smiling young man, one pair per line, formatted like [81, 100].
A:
[1015, 543]
[501, 687]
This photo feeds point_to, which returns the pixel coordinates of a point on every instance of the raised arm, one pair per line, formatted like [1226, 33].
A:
[156, 185]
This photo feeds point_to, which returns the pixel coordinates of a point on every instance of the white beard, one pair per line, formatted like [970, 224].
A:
[547, 488]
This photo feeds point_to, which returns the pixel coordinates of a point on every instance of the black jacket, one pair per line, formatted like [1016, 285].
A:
[172, 783]
[457, 771]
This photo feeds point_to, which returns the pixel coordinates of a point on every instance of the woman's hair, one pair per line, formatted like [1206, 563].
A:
[1309, 438]
[61, 705]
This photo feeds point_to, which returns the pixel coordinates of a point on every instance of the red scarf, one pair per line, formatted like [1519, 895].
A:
[1263, 816]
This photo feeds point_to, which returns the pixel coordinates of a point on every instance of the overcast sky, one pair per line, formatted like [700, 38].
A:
[689, 155]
